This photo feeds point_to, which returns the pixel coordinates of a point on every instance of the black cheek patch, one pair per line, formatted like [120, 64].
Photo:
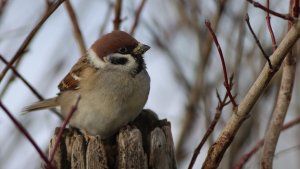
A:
[118, 60]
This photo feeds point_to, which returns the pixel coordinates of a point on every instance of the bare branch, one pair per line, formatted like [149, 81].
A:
[76, 29]
[283, 16]
[106, 17]
[28, 39]
[219, 109]
[3, 4]
[241, 162]
[268, 20]
[27, 135]
[296, 9]
[257, 41]
[226, 83]
[66, 121]
[225, 138]
[137, 17]
[31, 88]
[118, 12]
[281, 107]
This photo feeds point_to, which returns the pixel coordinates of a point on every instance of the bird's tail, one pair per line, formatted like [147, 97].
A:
[45, 104]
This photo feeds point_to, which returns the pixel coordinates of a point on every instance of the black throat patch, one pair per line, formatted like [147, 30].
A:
[141, 64]
[118, 60]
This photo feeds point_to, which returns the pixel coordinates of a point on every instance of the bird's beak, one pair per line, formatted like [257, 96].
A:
[140, 49]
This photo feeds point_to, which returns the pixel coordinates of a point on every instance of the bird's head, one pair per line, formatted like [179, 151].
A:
[118, 50]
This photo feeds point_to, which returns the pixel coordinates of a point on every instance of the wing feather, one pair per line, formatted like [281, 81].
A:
[72, 79]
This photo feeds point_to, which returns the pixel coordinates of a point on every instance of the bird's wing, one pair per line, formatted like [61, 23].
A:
[72, 79]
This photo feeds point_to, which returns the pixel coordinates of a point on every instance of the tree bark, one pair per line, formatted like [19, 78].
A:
[146, 143]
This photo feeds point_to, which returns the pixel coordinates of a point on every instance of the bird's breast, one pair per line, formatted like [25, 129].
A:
[111, 100]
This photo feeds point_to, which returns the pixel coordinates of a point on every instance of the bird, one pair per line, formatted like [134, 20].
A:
[112, 82]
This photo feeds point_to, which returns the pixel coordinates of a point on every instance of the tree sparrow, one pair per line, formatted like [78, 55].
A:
[112, 82]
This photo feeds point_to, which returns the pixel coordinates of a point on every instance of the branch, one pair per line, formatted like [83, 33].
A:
[66, 121]
[106, 17]
[268, 20]
[137, 17]
[29, 38]
[31, 88]
[3, 4]
[296, 9]
[197, 88]
[281, 108]
[219, 109]
[257, 41]
[283, 16]
[226, 83]
[118, 11]
[217, 150]
[76, 29]
[27, 135]
[241, 162]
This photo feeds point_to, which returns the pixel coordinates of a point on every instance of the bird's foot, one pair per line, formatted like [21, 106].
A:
[87, 136]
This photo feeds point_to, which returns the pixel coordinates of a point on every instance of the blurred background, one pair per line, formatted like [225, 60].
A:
[183, 63]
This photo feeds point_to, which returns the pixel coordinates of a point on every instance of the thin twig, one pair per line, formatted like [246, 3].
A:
[283, 16]
[219, 109]
[76, 29]
[198, 88]
[11, 79]
[3, 4]
[28, 39]
[160, 44]
[106, 17]
[257, 41]
[118, 12]
[241, 162]
[137, 17]
[27, 135]
[66, 121]
[268, 20]
[296, 9]
[226, 83]
[281, 107]
[225, 138]
[31, 88]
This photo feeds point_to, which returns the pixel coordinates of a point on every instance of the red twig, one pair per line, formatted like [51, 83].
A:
[283, 16]
[21, 77]
[118, 12]
[257, 41]
[2, 6]
[27, 135]
[76, 29]
[28, 39]
[268, 20]
[221, 105]
[226, 83]
[31, 88]
[296, 9]
[137, 17]
[66, 121]
[259, 144]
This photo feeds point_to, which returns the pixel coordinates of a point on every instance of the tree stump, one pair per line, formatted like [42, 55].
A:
[145, 143]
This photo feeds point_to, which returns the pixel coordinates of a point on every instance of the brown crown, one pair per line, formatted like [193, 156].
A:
[111, 42]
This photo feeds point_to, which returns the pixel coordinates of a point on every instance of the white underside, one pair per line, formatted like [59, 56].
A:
[116, 101]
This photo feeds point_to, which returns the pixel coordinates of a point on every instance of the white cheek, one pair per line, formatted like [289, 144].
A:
[129, 66]
[94, 59]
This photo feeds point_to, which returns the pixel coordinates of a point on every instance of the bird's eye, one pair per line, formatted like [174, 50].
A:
[123, 50]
